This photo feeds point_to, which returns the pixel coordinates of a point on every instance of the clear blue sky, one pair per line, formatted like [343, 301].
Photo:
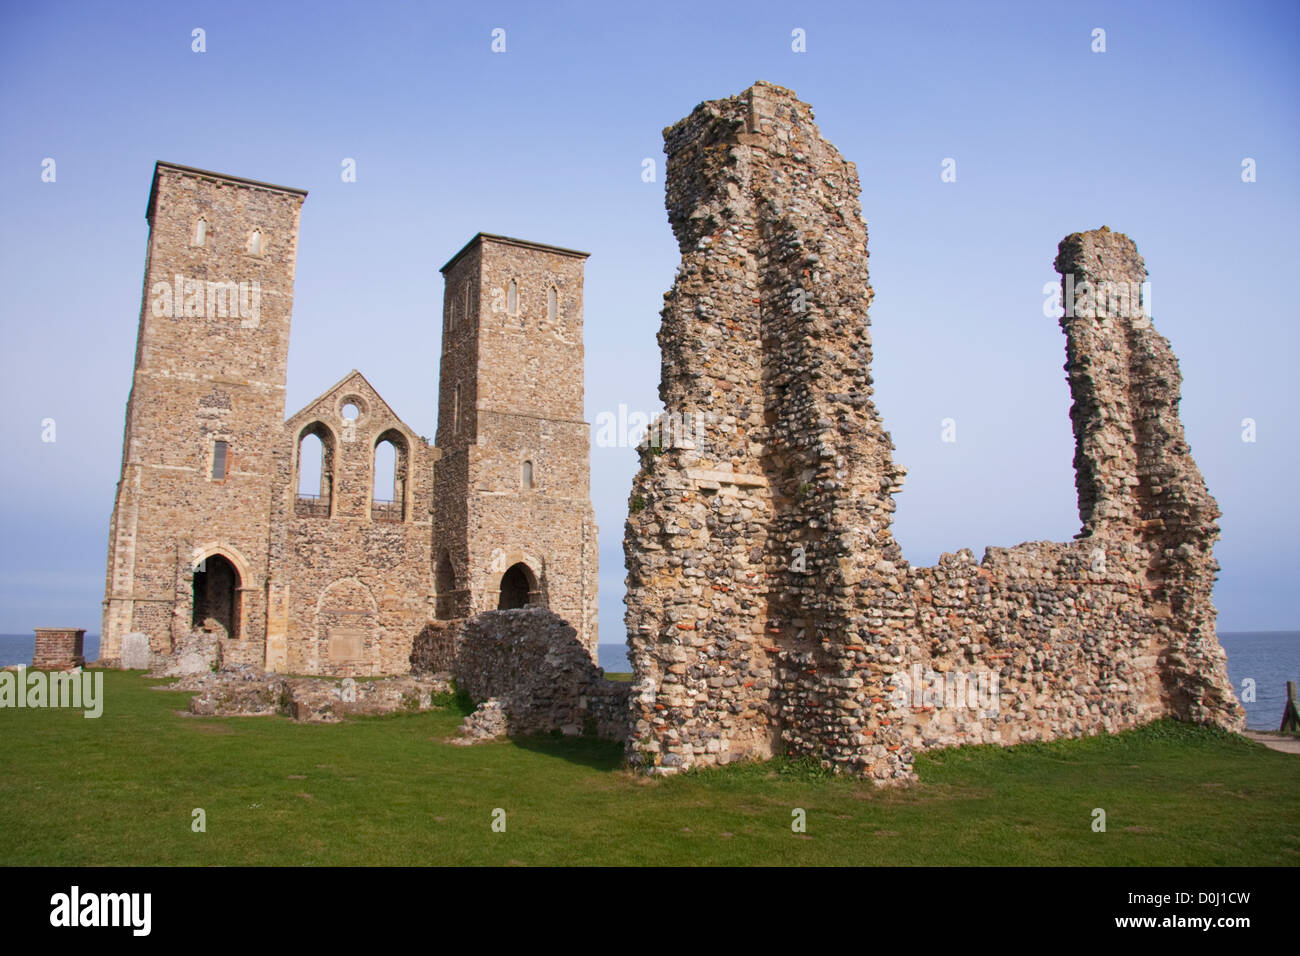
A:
[546, 142]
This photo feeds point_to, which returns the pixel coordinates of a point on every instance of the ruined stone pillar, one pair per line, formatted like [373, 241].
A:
[754, 544]
[1137, 481]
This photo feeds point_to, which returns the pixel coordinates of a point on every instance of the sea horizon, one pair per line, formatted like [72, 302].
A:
[1269, 658]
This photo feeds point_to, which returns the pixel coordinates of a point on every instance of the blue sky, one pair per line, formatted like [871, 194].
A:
[546, 141]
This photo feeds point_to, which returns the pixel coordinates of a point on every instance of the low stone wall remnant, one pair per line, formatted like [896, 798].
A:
[530, 662]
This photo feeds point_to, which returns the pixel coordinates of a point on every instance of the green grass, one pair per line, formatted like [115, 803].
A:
[389, 790]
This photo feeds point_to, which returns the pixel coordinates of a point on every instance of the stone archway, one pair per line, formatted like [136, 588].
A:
[216, 588]
[347, 629]
[518, 586]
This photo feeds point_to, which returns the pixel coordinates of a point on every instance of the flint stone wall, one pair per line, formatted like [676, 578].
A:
[434, 649]
[769, 608]
[533, 663]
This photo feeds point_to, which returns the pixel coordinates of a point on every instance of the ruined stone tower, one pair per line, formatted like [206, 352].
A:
[769, 608]
[331, 541]
[188, 537]
[512, 510]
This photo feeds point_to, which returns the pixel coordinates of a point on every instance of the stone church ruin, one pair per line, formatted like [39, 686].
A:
[219, 551]
[768, 609]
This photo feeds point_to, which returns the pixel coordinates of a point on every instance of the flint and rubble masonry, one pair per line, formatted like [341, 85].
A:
[769, 607]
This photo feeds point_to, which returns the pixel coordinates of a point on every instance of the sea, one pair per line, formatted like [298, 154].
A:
[1267, 658]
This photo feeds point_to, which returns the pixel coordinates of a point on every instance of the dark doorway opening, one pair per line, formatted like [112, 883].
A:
[216, 597]
[515, 585]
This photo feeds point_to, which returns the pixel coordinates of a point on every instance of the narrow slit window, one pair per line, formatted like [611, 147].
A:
[255, 243]
[200, 232]
[220, 455]
[527, 476]
[512, 298]
[552, 306]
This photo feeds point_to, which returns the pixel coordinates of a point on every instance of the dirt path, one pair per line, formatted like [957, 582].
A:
[1287, 745]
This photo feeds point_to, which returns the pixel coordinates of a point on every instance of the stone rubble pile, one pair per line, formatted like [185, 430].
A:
[246, 691]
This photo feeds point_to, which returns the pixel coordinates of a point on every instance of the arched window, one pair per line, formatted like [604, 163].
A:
[388, 501]
[527, 475]
[455, 410]
[200, 232]
[464, 302]
[552, 306]
[255, 243]
[385, 471]
[315, 467]
[512, 298]
[311, 455]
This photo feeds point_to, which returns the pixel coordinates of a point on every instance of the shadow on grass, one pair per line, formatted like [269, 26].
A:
[603, 755]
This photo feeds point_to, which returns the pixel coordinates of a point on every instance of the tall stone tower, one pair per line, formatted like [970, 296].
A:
[188, 539]
[513, 522]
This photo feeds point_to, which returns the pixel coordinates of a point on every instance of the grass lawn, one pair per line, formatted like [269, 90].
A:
[388, 790]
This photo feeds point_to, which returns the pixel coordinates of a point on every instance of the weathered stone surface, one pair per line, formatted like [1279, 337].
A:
[533, 664]
[779, 614]
[488, 722]
[198, 652]
[434, 648]
[247, 692]
[135, 651]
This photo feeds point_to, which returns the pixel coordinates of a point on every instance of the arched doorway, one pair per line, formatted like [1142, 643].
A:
[516, 584]
[216, 597]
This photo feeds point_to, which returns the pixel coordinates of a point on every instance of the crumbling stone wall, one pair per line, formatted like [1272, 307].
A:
[532, 662]
[769, 608]
[435, 647]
